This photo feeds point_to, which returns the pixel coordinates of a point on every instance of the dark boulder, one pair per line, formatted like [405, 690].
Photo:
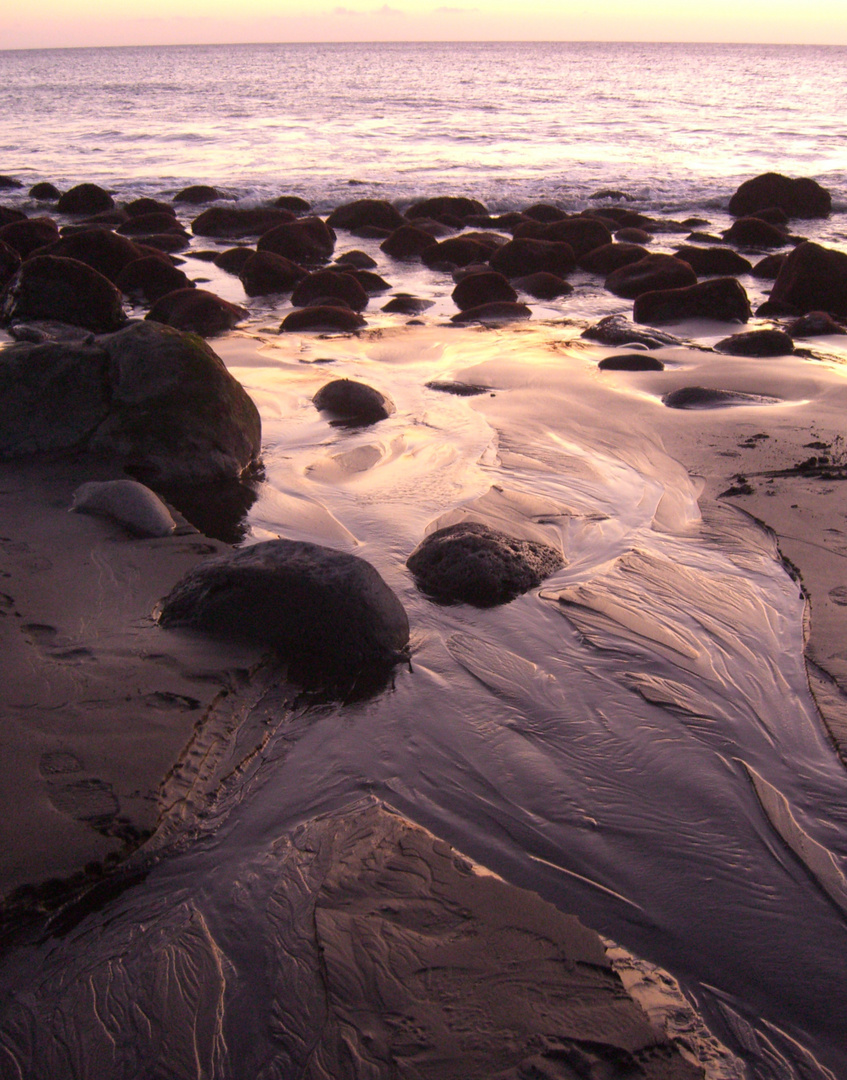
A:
[308, 241]
[813, 278]
[262, 273]
[476, 289]
[7, 182]
[632, 235]
[471, 563]
[85, 199]
[29, 235]
[544, 212]
[604, 260]
[407, 242]
[523, 256]
[618, 330]
[404, 304]
[197, 194]
[455, 206]
[293, 203]
[47, 287]
[101, 249]
[703, 397]
[328, 614]
[543, 285]
[353, 402]
[329, 285]
[649, 274]
[322, 318]
[231, 222]
[9, 214]
[802, 198]
[169, 242]
[584, 234]
[768, 268]
[144, 206]
[718, 261]
[45, 192]
[150, 278]
[722, 299]
[234, 259]
[640, 361]
[196, 311]
[814, 324]
[150, 225]
[362, 212]
[372, 283]
[753, 232]
[455, 251]
[497, 311]
[10, 262]
[159, 400]
[358, 260]
[757, 343]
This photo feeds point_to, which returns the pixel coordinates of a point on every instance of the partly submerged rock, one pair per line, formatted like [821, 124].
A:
[617, 330]
[482, 288]
[353, 402]
[48, 287]
[801, 198]
[328, 614]
[814, 324]
[472, 563]
[722, 299]
[85, 199]
[649, 274]
[702, 397]
[757, 343]
[498, 311]
[325, 318]
[813, 278]
[631, 362]
[129, 503]
[196, 311]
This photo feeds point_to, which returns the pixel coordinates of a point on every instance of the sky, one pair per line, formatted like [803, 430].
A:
[74, 23]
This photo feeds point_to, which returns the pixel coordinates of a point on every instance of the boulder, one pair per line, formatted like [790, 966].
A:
[293, 203]
[144, 206]
[472, 563]
[101, 249]
[372, 283]
[150, 278]
[362, 212]
[632, 235]
[523, 256]
[497, 311]
[722, 299]
[357, 260]
[482, 288]
[7, 182]
[196, 311]
[753, 232]
[85, 199]
[48, 287]
[45, 192]
[262, 273]
[329, 285]
[407, 242]
[328, 614]
[9, 214]
[197, 194]
[814, 324]
[704, 397]
[584, 234]
[718, 261]
[231, 222]
[455, 206]
[161, 401]
[353, 402]
[618, 330]
[455, 251]
[131, 504]
[233, 260]
[544, 212]
[543, 285]
[768, 268]
[603, 260]
[649, 274]
[152, 224]
[168, 242]
[757, 343]
[801, 198]
[10, 262]
[308, 241]
[323, 317]
[813, 278]
[404, 304]
[640, 361]
[29, 235]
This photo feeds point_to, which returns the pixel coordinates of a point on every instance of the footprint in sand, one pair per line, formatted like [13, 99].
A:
[47, 639]
[88, 800]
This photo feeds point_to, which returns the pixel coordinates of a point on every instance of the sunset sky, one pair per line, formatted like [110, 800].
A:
[59, 23]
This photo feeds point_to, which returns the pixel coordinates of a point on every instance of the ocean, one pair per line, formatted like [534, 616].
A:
[677, 126]
[636, 741]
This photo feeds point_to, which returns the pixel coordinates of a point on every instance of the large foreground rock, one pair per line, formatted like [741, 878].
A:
[329, 614]
[813, 278]
[722, 299]
[802, 198]
[472, 563]
[159, 400]
[49, 287]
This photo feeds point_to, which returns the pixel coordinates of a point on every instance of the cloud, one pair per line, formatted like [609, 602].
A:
[344, 11]
[386, 10]
[456, 11]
